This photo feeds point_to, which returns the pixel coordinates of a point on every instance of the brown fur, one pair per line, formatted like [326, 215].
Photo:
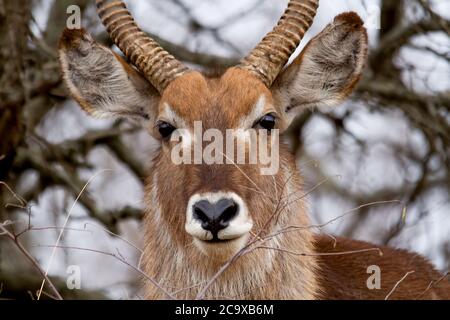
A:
[345, 276]
[292, 264]
[222, 102]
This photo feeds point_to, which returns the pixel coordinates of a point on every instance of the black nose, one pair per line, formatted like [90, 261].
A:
[215, 216]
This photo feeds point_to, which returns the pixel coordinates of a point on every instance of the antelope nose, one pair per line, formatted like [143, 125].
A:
[215, 216]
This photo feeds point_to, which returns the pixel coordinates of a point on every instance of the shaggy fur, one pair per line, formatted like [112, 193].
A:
[292, 265]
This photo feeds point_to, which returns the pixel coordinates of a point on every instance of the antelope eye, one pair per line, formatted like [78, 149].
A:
[268, 122]
[165, 129]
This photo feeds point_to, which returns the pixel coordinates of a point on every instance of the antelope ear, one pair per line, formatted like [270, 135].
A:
[327, 70]
[102, 82]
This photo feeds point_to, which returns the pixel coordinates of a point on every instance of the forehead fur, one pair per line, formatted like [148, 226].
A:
[216, 101]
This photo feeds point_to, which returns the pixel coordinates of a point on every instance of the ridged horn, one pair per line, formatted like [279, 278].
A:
[156, 64]
[273, 52]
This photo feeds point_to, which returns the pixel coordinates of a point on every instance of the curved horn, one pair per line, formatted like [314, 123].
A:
[273, 52]
[157, 65]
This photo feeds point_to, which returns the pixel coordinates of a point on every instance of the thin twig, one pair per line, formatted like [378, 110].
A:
[321, 226]
[31, 259]
[433, 284]
[22, 202]
[64, 225]
[397, 284]
[119, 258]
[113, 234]
[319, 254]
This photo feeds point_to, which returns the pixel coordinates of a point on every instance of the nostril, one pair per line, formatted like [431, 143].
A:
[200, 215]
[229, 213]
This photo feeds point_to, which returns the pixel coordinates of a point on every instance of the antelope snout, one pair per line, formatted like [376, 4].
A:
[217, 217]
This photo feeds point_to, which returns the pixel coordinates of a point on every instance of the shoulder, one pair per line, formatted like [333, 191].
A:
[346, 266]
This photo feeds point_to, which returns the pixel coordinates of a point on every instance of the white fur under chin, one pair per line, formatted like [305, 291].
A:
[223, 250]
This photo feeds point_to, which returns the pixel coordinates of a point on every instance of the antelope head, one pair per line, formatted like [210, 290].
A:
[215, 206]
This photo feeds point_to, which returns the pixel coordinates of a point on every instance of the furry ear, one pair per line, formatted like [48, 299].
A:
[327, 70]
[102, 82]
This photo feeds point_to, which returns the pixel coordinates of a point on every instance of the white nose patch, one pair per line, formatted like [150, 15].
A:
[240, 225]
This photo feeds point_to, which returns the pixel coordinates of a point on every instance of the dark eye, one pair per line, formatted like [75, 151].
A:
[268, 122]
[165, 129]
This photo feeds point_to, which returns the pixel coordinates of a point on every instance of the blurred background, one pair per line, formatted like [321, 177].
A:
[385, 153]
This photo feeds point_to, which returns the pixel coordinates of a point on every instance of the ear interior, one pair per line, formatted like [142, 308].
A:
[327, 70]
[101, 81]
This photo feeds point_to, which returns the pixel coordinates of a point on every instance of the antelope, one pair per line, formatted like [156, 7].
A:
[217, 231]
